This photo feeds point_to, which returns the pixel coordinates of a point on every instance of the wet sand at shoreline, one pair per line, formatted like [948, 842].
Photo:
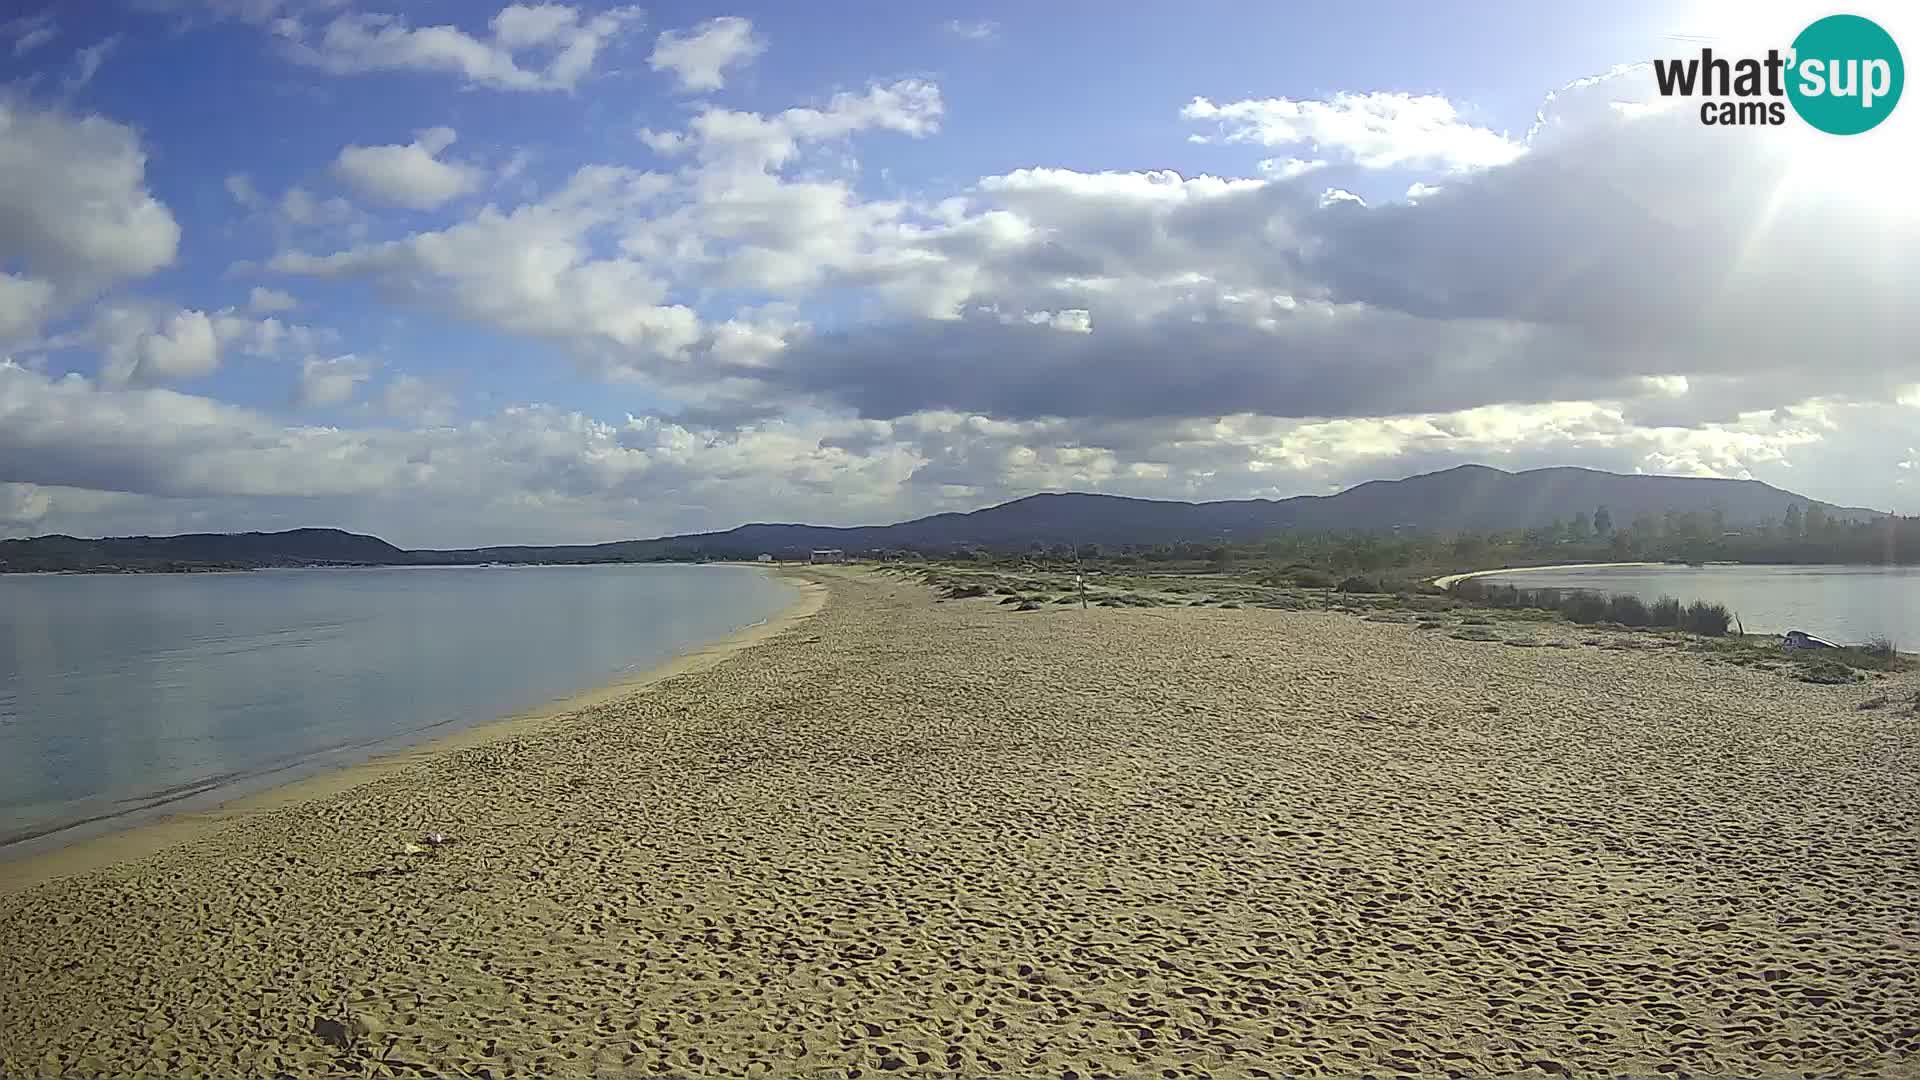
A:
[920, 838]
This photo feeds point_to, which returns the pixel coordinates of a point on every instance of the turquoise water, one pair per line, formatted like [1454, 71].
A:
[1848, 604]
[120, 694]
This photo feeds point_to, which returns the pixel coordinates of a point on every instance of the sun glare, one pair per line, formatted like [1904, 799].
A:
[1876, 168]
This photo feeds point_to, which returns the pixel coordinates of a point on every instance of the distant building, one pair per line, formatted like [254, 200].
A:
[764, 558]
[827, 555]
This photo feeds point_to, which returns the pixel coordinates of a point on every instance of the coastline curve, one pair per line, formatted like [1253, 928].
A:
[151, 836]
[1447, 581]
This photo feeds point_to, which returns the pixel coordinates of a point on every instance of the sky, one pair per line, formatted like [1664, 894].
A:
[455, 273]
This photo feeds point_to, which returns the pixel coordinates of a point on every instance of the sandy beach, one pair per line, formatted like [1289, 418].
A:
[907, 837]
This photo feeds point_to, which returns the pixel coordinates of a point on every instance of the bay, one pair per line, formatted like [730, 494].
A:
[120, 694]
[1847, 604]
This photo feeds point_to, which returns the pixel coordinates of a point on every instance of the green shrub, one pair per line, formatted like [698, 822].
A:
[1868, 656]
[1585, 607]
[1357, 584]
[1826, 672]
[1665, 611]
[1628, 611]
[1713, 620]
[1310, 579]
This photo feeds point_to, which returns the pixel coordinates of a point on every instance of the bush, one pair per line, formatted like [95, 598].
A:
[1581, 606]
[1628, 611]
[1585, 607]
[1871, 656]
[1880, 646]
[1713, 620]
[1664, 612]
[1357, 584]
[1310, 579]
[963, 592]
[1826, 672]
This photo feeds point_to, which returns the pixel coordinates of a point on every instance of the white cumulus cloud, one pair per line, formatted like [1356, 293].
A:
[699, 58]
[139, 346]
[331, 381]
[410, 176]
[75, 212]
[265, 301]
[1376, 131]
[529, 47]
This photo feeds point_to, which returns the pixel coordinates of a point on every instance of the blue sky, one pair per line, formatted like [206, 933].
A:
[457, 272]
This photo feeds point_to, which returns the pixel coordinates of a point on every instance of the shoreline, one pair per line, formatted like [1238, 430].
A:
[144, 836]
[1448, 580]
[928, 836]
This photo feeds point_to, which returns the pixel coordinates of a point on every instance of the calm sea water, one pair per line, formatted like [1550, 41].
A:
[123, 693]
[1848, 604]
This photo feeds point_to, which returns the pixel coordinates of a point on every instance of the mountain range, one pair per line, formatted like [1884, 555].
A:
[1466, 498]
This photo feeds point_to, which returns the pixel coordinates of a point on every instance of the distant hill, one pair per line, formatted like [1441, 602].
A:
[1479, 498]
[298, 547]
[1468, 498]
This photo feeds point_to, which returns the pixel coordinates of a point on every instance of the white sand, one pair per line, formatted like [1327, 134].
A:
[926, 838]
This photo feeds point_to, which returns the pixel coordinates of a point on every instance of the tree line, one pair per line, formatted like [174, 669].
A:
[1806, 533]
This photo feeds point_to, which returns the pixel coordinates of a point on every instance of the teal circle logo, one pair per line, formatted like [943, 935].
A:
[1846, 75]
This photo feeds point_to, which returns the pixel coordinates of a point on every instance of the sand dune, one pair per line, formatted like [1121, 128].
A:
[917, 838]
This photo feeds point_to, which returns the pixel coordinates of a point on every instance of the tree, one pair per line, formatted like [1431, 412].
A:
[1792, 521]
[1581, 528]
[1815, 522]
[1468, 545]
[1602, 521]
